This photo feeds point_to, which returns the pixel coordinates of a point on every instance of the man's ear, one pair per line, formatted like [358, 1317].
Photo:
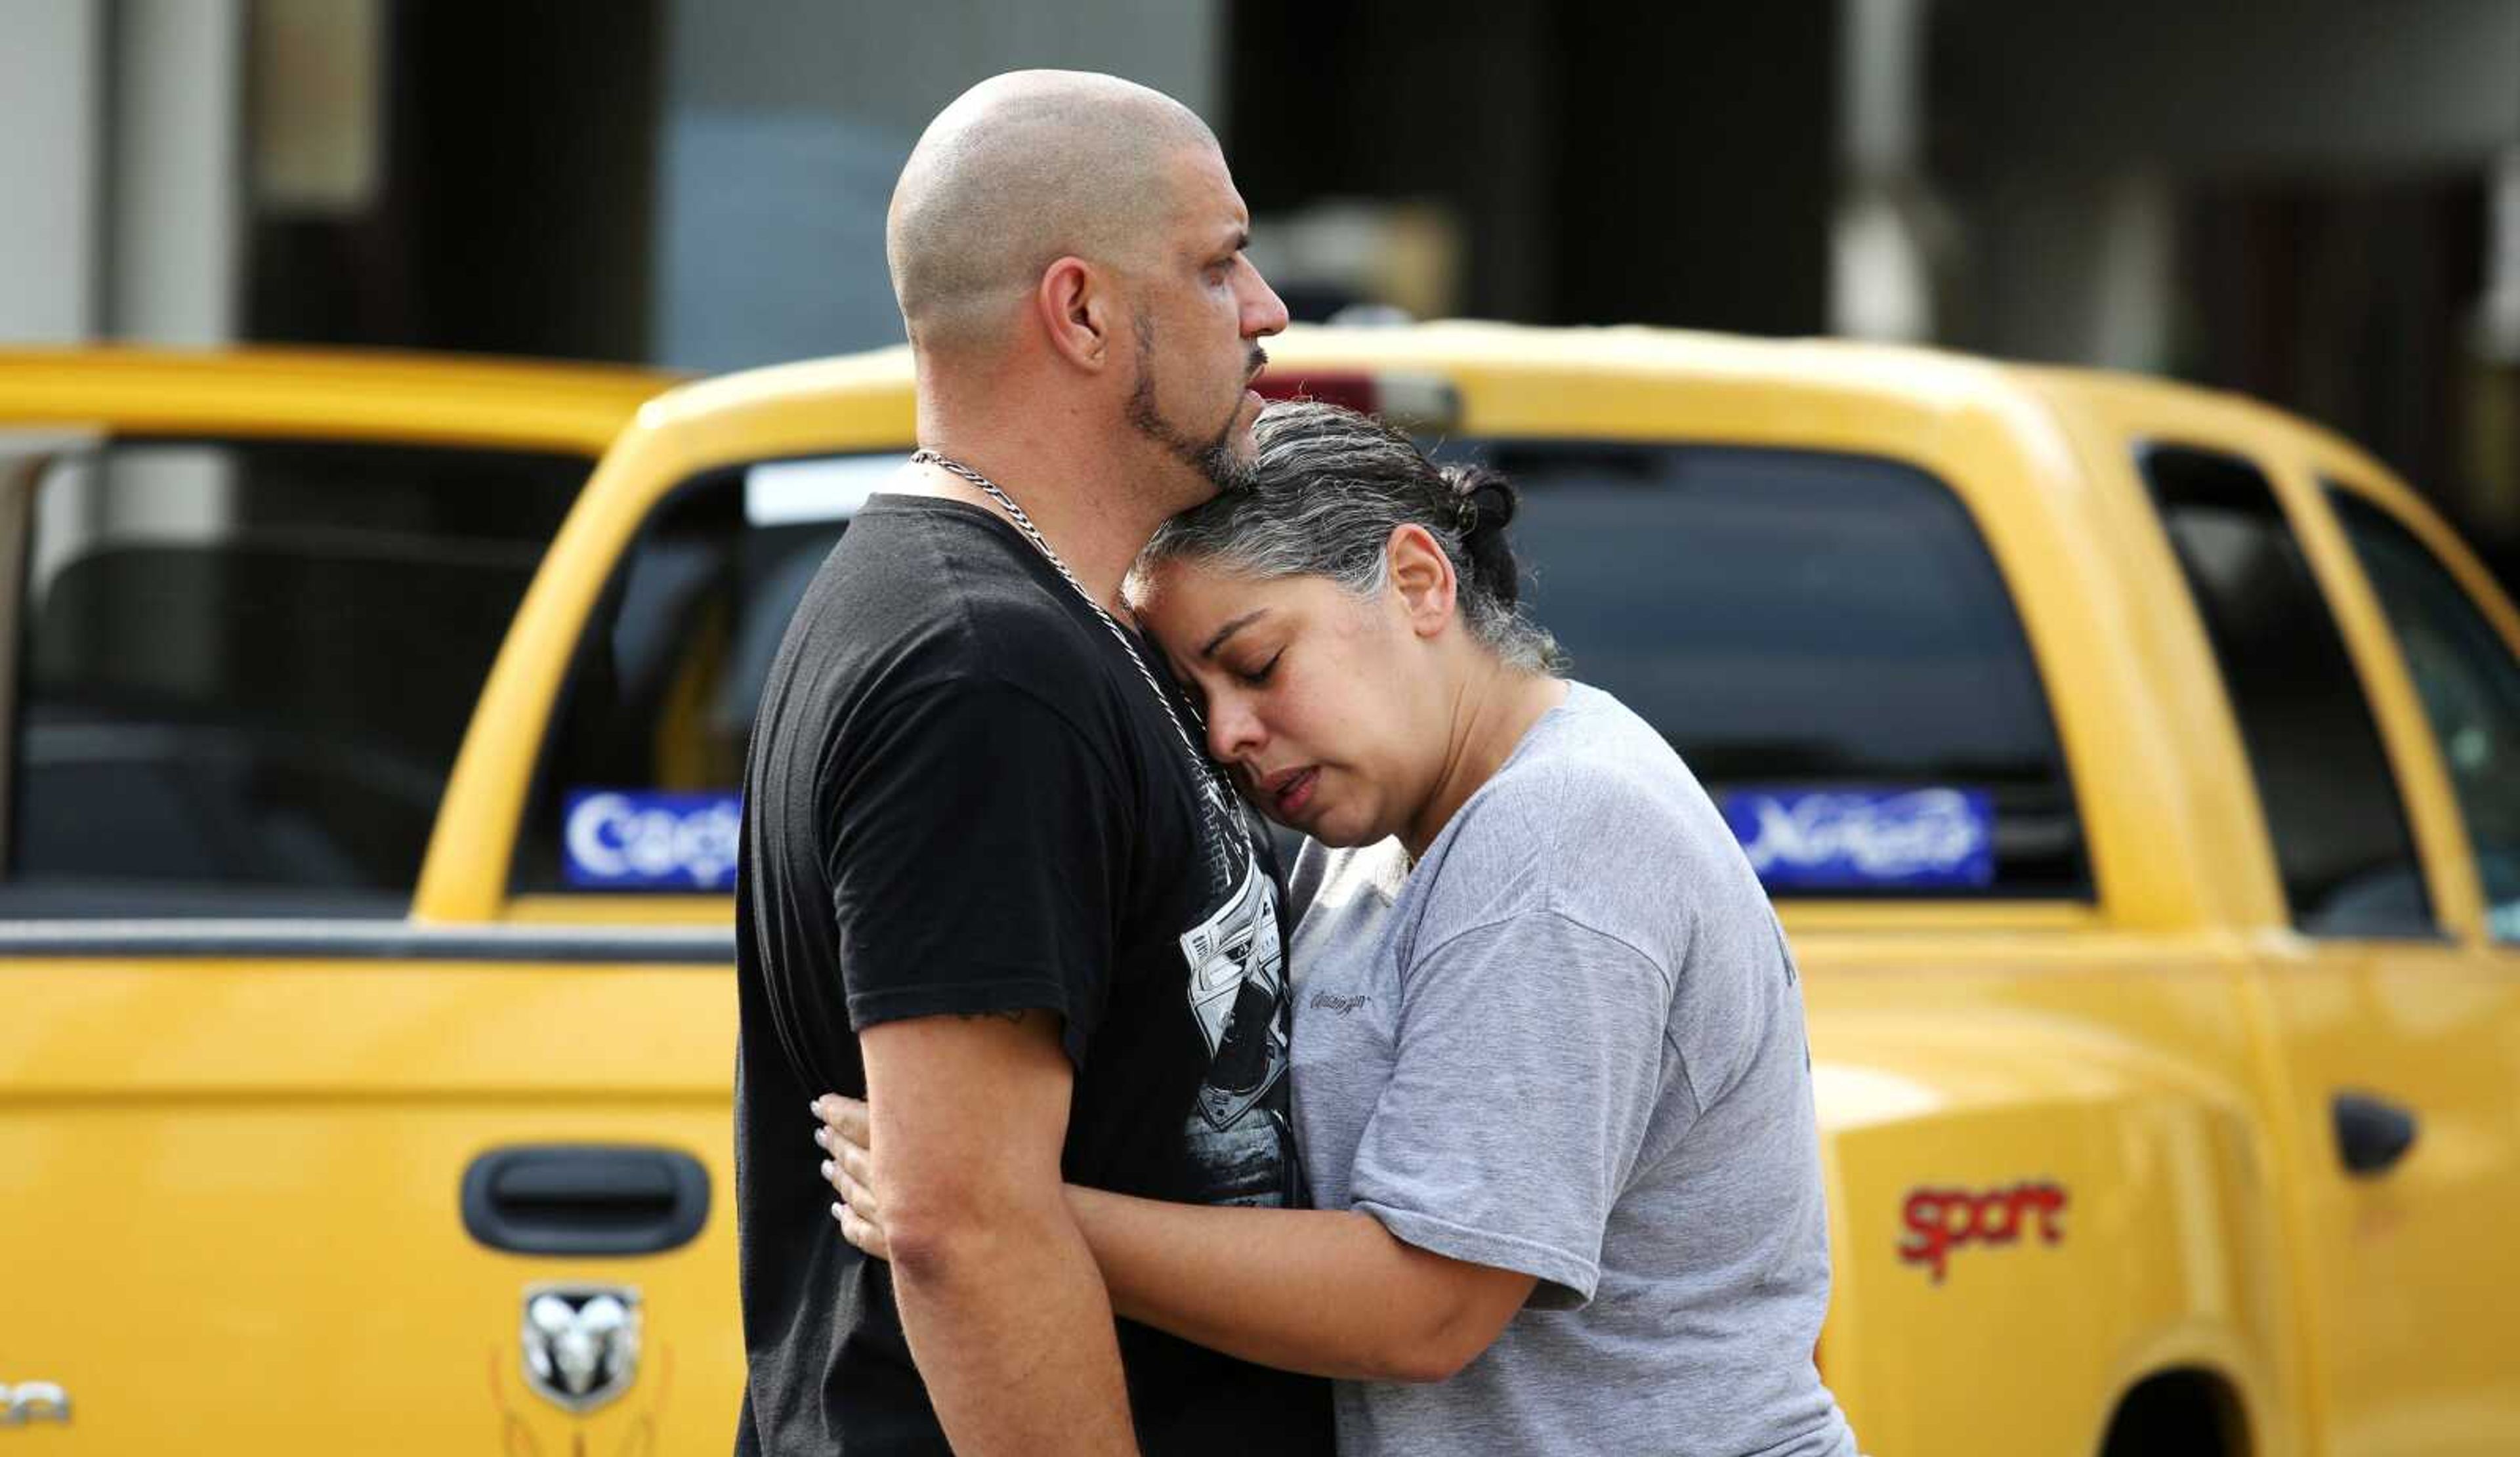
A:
[1421, 578]
[1078, 312]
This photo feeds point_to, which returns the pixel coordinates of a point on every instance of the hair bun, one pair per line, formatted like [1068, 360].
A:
[1487, 502]
[1487, 499]
[1495, 502]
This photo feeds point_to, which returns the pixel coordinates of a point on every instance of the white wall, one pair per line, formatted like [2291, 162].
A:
[175, 192]
[175, 195]
[119, 129]
[50, 75]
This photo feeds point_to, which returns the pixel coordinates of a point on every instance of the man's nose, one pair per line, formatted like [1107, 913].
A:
[1264, 313]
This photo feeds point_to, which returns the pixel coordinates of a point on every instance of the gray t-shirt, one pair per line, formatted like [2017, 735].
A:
[1569, 1042]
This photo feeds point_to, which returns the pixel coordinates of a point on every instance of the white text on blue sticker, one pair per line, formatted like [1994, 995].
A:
[645, 839]
[1816, 840]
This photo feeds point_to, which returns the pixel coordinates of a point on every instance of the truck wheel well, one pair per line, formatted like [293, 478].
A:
[2182, 1413]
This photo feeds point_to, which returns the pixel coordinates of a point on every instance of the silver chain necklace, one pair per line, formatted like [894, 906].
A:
[1202, 770]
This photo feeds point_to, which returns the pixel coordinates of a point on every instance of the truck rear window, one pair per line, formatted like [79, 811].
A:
[1825, 639]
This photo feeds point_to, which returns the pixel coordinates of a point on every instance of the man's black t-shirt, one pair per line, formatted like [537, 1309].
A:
[960, 797]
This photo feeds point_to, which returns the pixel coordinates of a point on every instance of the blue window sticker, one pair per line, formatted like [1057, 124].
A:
[1848, 840]
[645, 839]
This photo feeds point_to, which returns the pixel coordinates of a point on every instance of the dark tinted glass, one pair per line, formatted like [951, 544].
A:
[2340, 834]
[2470, 686]
[245, 668]
[661, 697]
[1801, 620]
[1787, 620]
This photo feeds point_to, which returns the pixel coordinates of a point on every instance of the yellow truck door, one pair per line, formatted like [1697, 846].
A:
[2453, 648]
[2396, 1043]
[282, 1167]
[613, 744]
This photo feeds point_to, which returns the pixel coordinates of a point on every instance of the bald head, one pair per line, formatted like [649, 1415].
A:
[1023, 169]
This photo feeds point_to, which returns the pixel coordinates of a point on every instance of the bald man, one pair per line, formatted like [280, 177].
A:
[987, 879]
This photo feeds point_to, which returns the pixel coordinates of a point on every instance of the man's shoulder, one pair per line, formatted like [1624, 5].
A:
[939, 600]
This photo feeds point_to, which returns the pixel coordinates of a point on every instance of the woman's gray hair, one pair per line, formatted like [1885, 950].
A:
[1328, 486]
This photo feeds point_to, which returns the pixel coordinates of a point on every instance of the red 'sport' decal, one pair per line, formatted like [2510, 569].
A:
[1942, 1220]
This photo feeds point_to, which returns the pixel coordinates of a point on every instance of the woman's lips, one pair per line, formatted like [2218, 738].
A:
[1293, 790]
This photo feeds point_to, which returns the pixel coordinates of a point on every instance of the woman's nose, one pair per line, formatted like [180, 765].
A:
[1233, 729]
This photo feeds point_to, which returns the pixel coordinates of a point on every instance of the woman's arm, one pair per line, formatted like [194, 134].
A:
[1327, 1291]
[1323, 1291]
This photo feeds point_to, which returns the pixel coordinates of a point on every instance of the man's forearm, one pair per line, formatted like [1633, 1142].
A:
[1012, 1334]
[1006, 1316]
[1328, 1293]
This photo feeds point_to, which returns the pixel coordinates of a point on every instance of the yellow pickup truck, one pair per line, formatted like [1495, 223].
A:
[2138, 771]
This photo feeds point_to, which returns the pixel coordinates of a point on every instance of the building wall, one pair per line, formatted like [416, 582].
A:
[120, 131]
[2290, 201]
[174, 185]
[2308, 84]
[52, 77]
[2056, 130]
[784, 124]
[1622, 162]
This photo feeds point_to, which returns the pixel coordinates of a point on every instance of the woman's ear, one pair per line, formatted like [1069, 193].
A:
[1421, 578]
[1077, 311]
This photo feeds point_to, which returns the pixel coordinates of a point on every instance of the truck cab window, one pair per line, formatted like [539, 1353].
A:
[2470, 686]
[243, 668]
[638, 784]
[1799, 625]
[2342, 846]
[1827, 642]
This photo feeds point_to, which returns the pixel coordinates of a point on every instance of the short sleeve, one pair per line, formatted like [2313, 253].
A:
[1528, 1063]
[973, 850]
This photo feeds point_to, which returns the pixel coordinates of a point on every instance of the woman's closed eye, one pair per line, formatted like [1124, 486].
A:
[1259, 676]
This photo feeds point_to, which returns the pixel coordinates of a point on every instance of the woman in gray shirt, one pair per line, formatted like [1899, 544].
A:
[1551, 1083]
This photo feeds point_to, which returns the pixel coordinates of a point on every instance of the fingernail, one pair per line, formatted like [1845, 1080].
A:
[827, 1168]
[815, 1107]
[823, 1136]
[836, 1210]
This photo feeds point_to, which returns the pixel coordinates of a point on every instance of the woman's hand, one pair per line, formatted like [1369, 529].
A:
[850, 1168]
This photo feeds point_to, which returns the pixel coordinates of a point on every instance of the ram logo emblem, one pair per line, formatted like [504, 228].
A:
[33, 1402]
[581, 1342]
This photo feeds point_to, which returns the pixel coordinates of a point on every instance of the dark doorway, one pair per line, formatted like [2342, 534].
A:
[515, 207]
[1627, 161]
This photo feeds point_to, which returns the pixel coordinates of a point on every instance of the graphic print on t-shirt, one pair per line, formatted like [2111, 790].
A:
[1238, 993]
[1219, 831]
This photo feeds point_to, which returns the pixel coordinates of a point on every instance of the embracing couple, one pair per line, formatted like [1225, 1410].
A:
[1494, 1110]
